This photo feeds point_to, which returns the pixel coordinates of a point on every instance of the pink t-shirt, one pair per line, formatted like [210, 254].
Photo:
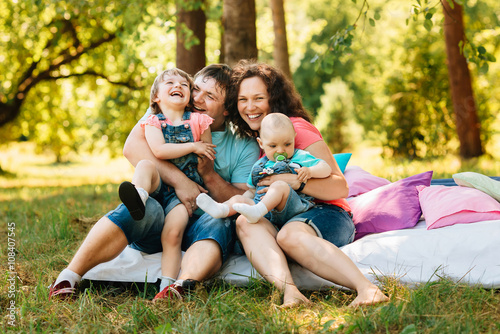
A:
[198, 122]
[308, 134]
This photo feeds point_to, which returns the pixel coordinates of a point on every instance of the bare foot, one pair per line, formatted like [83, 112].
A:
[293, 297]
[371, 295]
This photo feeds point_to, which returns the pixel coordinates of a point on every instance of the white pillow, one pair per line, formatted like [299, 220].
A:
[480, 182]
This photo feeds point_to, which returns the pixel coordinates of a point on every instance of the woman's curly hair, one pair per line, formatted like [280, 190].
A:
[283, 97]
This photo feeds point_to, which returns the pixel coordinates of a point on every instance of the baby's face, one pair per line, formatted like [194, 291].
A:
[277, 141]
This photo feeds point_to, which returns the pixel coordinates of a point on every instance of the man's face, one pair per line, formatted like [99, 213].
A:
[209, 99]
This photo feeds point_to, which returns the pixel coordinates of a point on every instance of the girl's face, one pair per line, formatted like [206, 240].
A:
[173, 92]
[253, 101]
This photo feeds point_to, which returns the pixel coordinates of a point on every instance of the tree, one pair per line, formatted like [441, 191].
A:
[280, 53]
[240, 35]
[464, 106]
[71, 70]
[190, 31]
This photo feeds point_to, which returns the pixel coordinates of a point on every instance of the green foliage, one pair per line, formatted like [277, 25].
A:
[397, 74]
[474, 53]
[81, 69]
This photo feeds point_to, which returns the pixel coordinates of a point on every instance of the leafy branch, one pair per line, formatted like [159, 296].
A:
[340, 43]
[473, 53]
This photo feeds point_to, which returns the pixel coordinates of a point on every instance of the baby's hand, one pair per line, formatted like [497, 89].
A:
[204, 150]
[303, 174]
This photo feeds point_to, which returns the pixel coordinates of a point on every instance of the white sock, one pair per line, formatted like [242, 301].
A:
[143, 194]
[251, 212]
[214, 209]
[166, 281]
[179, 282]
[70, 276]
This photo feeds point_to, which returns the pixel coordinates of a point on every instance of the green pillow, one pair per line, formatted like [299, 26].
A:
[342, 160]
[480, 182]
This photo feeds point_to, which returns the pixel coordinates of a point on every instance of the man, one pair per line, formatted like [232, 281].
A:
[207, 241]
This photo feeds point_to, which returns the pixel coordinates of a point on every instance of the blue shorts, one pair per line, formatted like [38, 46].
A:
[330, 222]
[295, 204]
[145, 235]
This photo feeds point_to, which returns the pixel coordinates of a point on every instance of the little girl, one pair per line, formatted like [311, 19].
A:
[175, 133]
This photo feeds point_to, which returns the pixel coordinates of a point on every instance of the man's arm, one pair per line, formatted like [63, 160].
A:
[136, 148]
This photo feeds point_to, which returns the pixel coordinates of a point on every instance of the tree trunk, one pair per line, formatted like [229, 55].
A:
[466, 119]
[280, 53]
[191, 58]
[240, 37]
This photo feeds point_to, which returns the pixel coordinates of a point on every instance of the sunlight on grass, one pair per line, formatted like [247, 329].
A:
[26, 169]
[370, 159]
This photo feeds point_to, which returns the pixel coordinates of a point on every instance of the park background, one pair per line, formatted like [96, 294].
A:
[75, 78]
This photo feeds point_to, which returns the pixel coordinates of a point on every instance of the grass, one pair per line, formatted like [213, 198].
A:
[51, 220]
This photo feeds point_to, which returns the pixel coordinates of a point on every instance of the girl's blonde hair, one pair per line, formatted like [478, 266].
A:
[155, 108]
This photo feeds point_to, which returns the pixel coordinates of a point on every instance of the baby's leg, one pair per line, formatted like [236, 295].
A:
[134, 195]
[171, 240]
[275, 197]
[220, 210]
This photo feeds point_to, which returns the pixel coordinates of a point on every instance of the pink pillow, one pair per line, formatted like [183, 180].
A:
[360, 181]
[444, 206]
[391, 207]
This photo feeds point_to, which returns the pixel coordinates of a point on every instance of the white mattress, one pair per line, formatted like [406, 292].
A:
[469, 253]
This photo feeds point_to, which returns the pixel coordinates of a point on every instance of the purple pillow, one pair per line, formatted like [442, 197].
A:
[361, 181]
[391, 207]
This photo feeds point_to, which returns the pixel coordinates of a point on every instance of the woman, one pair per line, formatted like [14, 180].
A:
[312, 238]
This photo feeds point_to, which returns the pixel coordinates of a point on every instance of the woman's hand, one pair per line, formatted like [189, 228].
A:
[291, 179]
[204, 149]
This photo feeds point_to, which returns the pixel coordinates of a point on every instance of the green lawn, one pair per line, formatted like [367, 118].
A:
[47, 222]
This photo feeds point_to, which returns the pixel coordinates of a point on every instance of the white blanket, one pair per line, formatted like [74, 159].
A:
[467, 253]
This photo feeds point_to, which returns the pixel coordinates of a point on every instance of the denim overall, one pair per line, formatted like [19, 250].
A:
[187, 164]
[279, 167]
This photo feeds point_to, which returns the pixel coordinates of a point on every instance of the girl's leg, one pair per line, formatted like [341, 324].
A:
[275, 197]
[134, 195]
[267, 257]
[171, 240]
[300, 243]
[146, 176]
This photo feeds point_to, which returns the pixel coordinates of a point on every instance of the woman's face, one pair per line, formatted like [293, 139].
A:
[253, 101]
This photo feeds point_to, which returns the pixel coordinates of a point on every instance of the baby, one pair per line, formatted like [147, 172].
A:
[278, 202]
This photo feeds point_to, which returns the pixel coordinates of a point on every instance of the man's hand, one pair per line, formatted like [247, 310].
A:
[205, 167]
[187, 192]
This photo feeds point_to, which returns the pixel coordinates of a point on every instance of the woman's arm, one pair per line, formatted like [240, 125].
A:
[326, 189]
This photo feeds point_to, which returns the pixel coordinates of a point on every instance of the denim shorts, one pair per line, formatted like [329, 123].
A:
[295, 204]
[145, 235]
[330, 222]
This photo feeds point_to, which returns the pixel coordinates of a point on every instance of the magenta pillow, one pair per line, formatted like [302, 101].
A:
[444, 206]
[360, 181]
[391, 207]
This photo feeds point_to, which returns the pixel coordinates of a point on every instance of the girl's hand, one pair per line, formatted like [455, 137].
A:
[204, 149]
[304, 173]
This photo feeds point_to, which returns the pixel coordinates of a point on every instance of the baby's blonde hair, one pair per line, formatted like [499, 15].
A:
[155, 108]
